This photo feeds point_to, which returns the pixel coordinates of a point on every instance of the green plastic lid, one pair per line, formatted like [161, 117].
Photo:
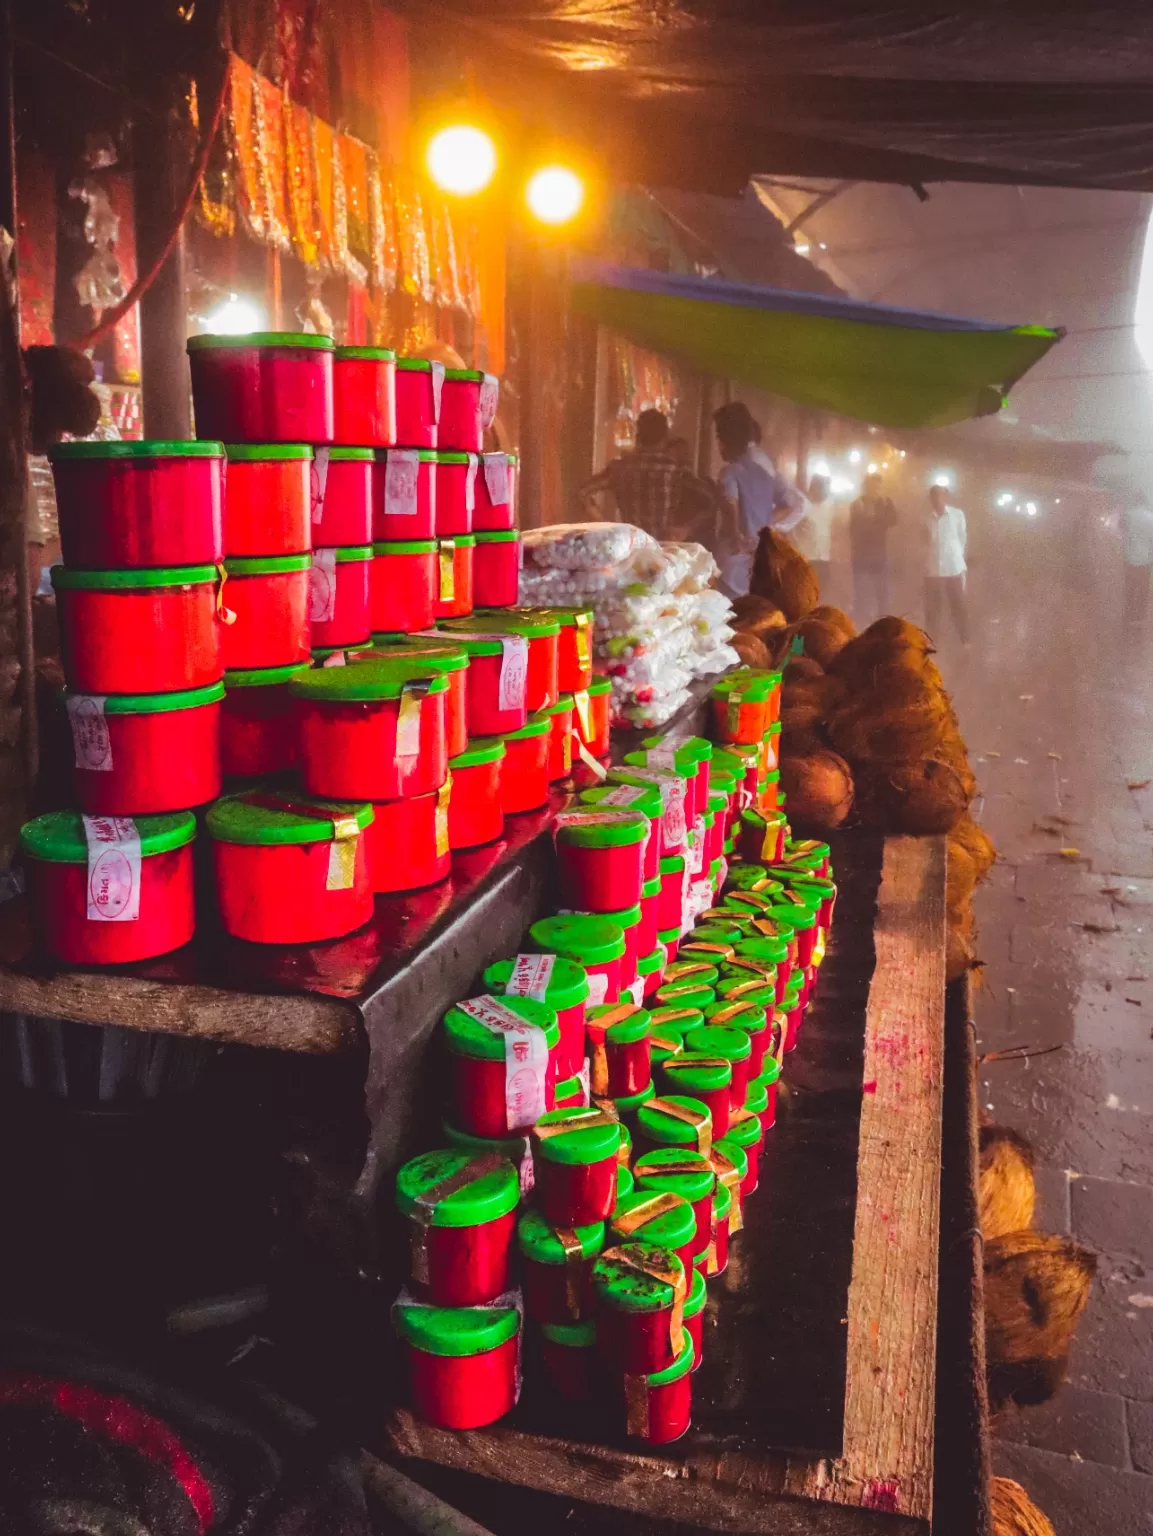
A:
[696, 748]
[747, 877]
[587, 1135]
[698, 1294]
[263, 677]
[697, 1072]
[480, 749]
[67, 580]
[158, 703]
[736, 756]
[745, 1129]
[666, 1129]
[793, 991]
[579, 936]
[756, 687]
[688, 1174]
[571, 1335]
[267, 565]
[508, 621]
[672, 864]
[651, 962]
[800, 917]
[599, 686]
[804, 883]
[405, 547]
[625, 1182]
[628, 1288]
[365, 681]
[497, 536]
[722, 1202]
[440, 655]
[592, 827]
[769, 1074]
[458, 540]
[771, 776]
[805, 848]
[535, 725]
[679, 1369]
[631, 1102]
[800, 896]
[538, 1241]
[745, 987]
[762, 947]
[729, 917]
[667, 935]
[671, 1228]
[568, 618]
[715, 931]
[464, 375]
[515, 1148]
[269, 818]
[699, 972]
[757, 1097]
[568, 986]
[772, 730]
[676, 1019]
[564, 704]
[240, 453]
[739, 1013]
[724, 782]
[735, 1153]
[715, 1040]
[365, 355]
[568, 1089]
[684, 995]
[718, 801]
[262, 339]
[454, 456]
[632, 797]
[345, 554]
[455, 1331]
[413, 365]
[58, 836]
[651, 888]
[148, 448]
[491, 1192]
[627, 1030]
[685, 762]
[468, 1036]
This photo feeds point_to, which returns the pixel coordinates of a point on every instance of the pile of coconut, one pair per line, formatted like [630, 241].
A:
[869, 734]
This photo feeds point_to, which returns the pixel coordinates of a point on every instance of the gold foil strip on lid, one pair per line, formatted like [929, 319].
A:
[706, 947]
[733, 1010]
[647, 1261]
[671, 1015]
[763, 968]
[586, 1120]
[729, 1175]
[648, 1210]
[428, 1200]
[700, 1120]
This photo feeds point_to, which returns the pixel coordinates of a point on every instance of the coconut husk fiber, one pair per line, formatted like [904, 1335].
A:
[960, 877]
[822, 640]
[756, 614]
[837, 617]
[896, 734]
[920, 799]
[818, 789]
[1036, 1288]
[960, 950]
[976, 844]
[1014, 1513]
[1006, 1193]
[895, 631]
[783, 575]
[751, 649]
[862, 661]
[799, 669]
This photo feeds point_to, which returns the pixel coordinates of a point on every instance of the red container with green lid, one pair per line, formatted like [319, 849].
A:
[731, 1165]
[618, 1050]
[702, 1076]
[660, 1220]
[408, 842]
[496, 492]
[570, 1092]
[265, 387]
[514, 1147]
[771, 746]
[771, 799]
[600, 693]
[671, 906]
[419, 391]
[105, 890]
[403, 495]
[338, 596]
[807, 854]
[762, 1095]
[803, 920]
[442, 656]
[753, 876]
[364, 396]
[814, 891]
[650, 911]
[600, 858]
[139, 631]
[454, 559]
[761, 835]
[497, 681]
[467, 408]
[751, 1018]
[695, 1315]
[269, 600]
[562, 985]
[733, 1045]
[688, 970]
[718, 1251]
[502, 1063]
[746, 1132]
[455, 497]
[569, 1358]
[403, 584]
[645, 798]
[271, 498]
[373, 730]
[744, 705]
[461, 1207]
[557, 1267]
[640, 1293]
[684, 994]
[560, 747]
[657, 1409]
[792, 1005]
[290, 869]
[693, 758]
[496, 568]
[670, 938]
[143, 753]
[685, 1173]
[542, 635]
[127, 504]
[464, 1362]
[674, 1120]
[575, 1159]
[257, 724]
[475, 814]
[574, 649]
[651, 968]
[593, 941]
[524, 782]
[342, 505]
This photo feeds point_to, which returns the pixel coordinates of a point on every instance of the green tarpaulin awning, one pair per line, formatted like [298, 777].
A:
[891, 367]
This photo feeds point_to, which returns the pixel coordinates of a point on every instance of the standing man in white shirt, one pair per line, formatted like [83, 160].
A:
[757, 496]
[945, 566]
[813, 535]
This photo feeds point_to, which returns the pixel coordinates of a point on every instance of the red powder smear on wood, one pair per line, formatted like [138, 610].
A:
[882, 1494]
[869, 1087]
[893, 1049]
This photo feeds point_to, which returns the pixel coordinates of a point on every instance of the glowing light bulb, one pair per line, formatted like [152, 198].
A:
[855, 456]
[555, 194]
[461, 159]
[235, 317]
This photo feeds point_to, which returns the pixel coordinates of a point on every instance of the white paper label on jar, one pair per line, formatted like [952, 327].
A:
[525, 1059]
[318, 482]
[322, 587]
[637, 990]
[598, 988]
[437, 376]
[530, 977]
[401, 470]
[487, 401]
[114, 862]
[408, 724]
[496, 478]
[624, 794]
[90, 739]
[527, 1177]
[673, 819]
[470, 483]
[585, 1075]
[513, 672]
[697, 847]
[337, 659]
[663, 756]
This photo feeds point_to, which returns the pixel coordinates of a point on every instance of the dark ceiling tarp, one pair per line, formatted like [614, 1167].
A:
[704, 95]
[892, 367]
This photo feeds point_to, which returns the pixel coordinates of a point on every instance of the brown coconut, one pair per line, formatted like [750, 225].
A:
[837, 617]
[862, 660]
[1014, 1513]
[897, 735]
[951, 751]
[1006, 1193]
[920, 799]
[895, 631]
[1036, 1288]
[818, 789]
[751, 649]
[756, 614]
[799, 669]
[802, 740]
[825, 694]
[783, 575]
[822, 640]
[976, 844]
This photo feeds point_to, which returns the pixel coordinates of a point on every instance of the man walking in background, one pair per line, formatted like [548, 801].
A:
[813, 535]
[1137, 552]
[871, 517]
[946, 567]
[756, 495]
[652, 486]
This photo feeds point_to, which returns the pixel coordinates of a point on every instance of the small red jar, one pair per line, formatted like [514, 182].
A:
[342, 516]
[496, 573]
[640, 1294]
[269, 601]
[695, 1316]
[454, 576]
[290, 869]
[568, 1356]
[618, 1043]
[467, 409]
[768, 1081]
[541, 634]
[751, 1019]
[651, 970]
[560, 750]
[419, 393]
[760, 838]
[455, 495]
[562, 985]
[338, 596]
[681, 1171]
[570, 1093]
[524, 779]
[266, 387]
[494, 493]
[141, 631]
[743, 704]
[146, 752]
[706, 1078]
[403, 586]
[663, 1220]
[125, 504]
[364, 397]
[671, 939]
[257, 723]
[270, 499]
[574, 648]
[574, 1159]
[658, 1409]
[464, 1363]
[461, 1208]
[733, 1045]
[718, 1260]
[475, 813]
[747, 1132]
[671, 905]
[491, 1089]
[408, 845]
[404, 494]
[122, 893]
[600, 693]
[628, 920]
[449, 659]
[634, 797]
[371, 730]
[496, 679]
[557, 1267]
[600, 858]
[592, 941]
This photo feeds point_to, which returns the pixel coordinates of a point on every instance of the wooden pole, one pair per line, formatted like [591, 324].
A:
[160, 168]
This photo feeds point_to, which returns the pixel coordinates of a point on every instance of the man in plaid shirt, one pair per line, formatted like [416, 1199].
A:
[651, 486]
